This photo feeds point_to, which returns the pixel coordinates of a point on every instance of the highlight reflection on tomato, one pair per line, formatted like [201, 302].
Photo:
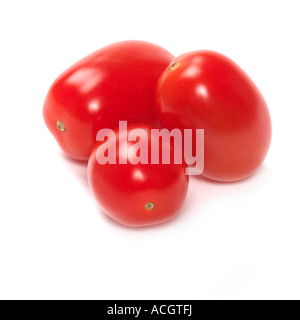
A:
[114, 83]
[206, 90]
[137, 194]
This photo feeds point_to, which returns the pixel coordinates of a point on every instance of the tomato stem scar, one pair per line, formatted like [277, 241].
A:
[174, 66]
[149, 206]
[60, 126]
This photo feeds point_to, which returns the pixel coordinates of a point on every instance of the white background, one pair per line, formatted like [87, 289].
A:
[231, 241]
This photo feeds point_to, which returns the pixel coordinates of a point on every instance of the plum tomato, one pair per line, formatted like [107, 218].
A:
[207, 90]
[114, 83]
[136, 194]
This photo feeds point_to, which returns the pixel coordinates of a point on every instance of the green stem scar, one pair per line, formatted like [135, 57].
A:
[174, 66]
[149, 205]
[60, 126]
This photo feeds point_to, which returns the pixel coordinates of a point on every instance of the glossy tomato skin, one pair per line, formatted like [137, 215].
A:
[137, 195]
[114, 83]
[206, 90]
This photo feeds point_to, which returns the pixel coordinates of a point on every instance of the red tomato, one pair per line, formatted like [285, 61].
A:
[137, 194]
[206, 90]
[114, 83]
